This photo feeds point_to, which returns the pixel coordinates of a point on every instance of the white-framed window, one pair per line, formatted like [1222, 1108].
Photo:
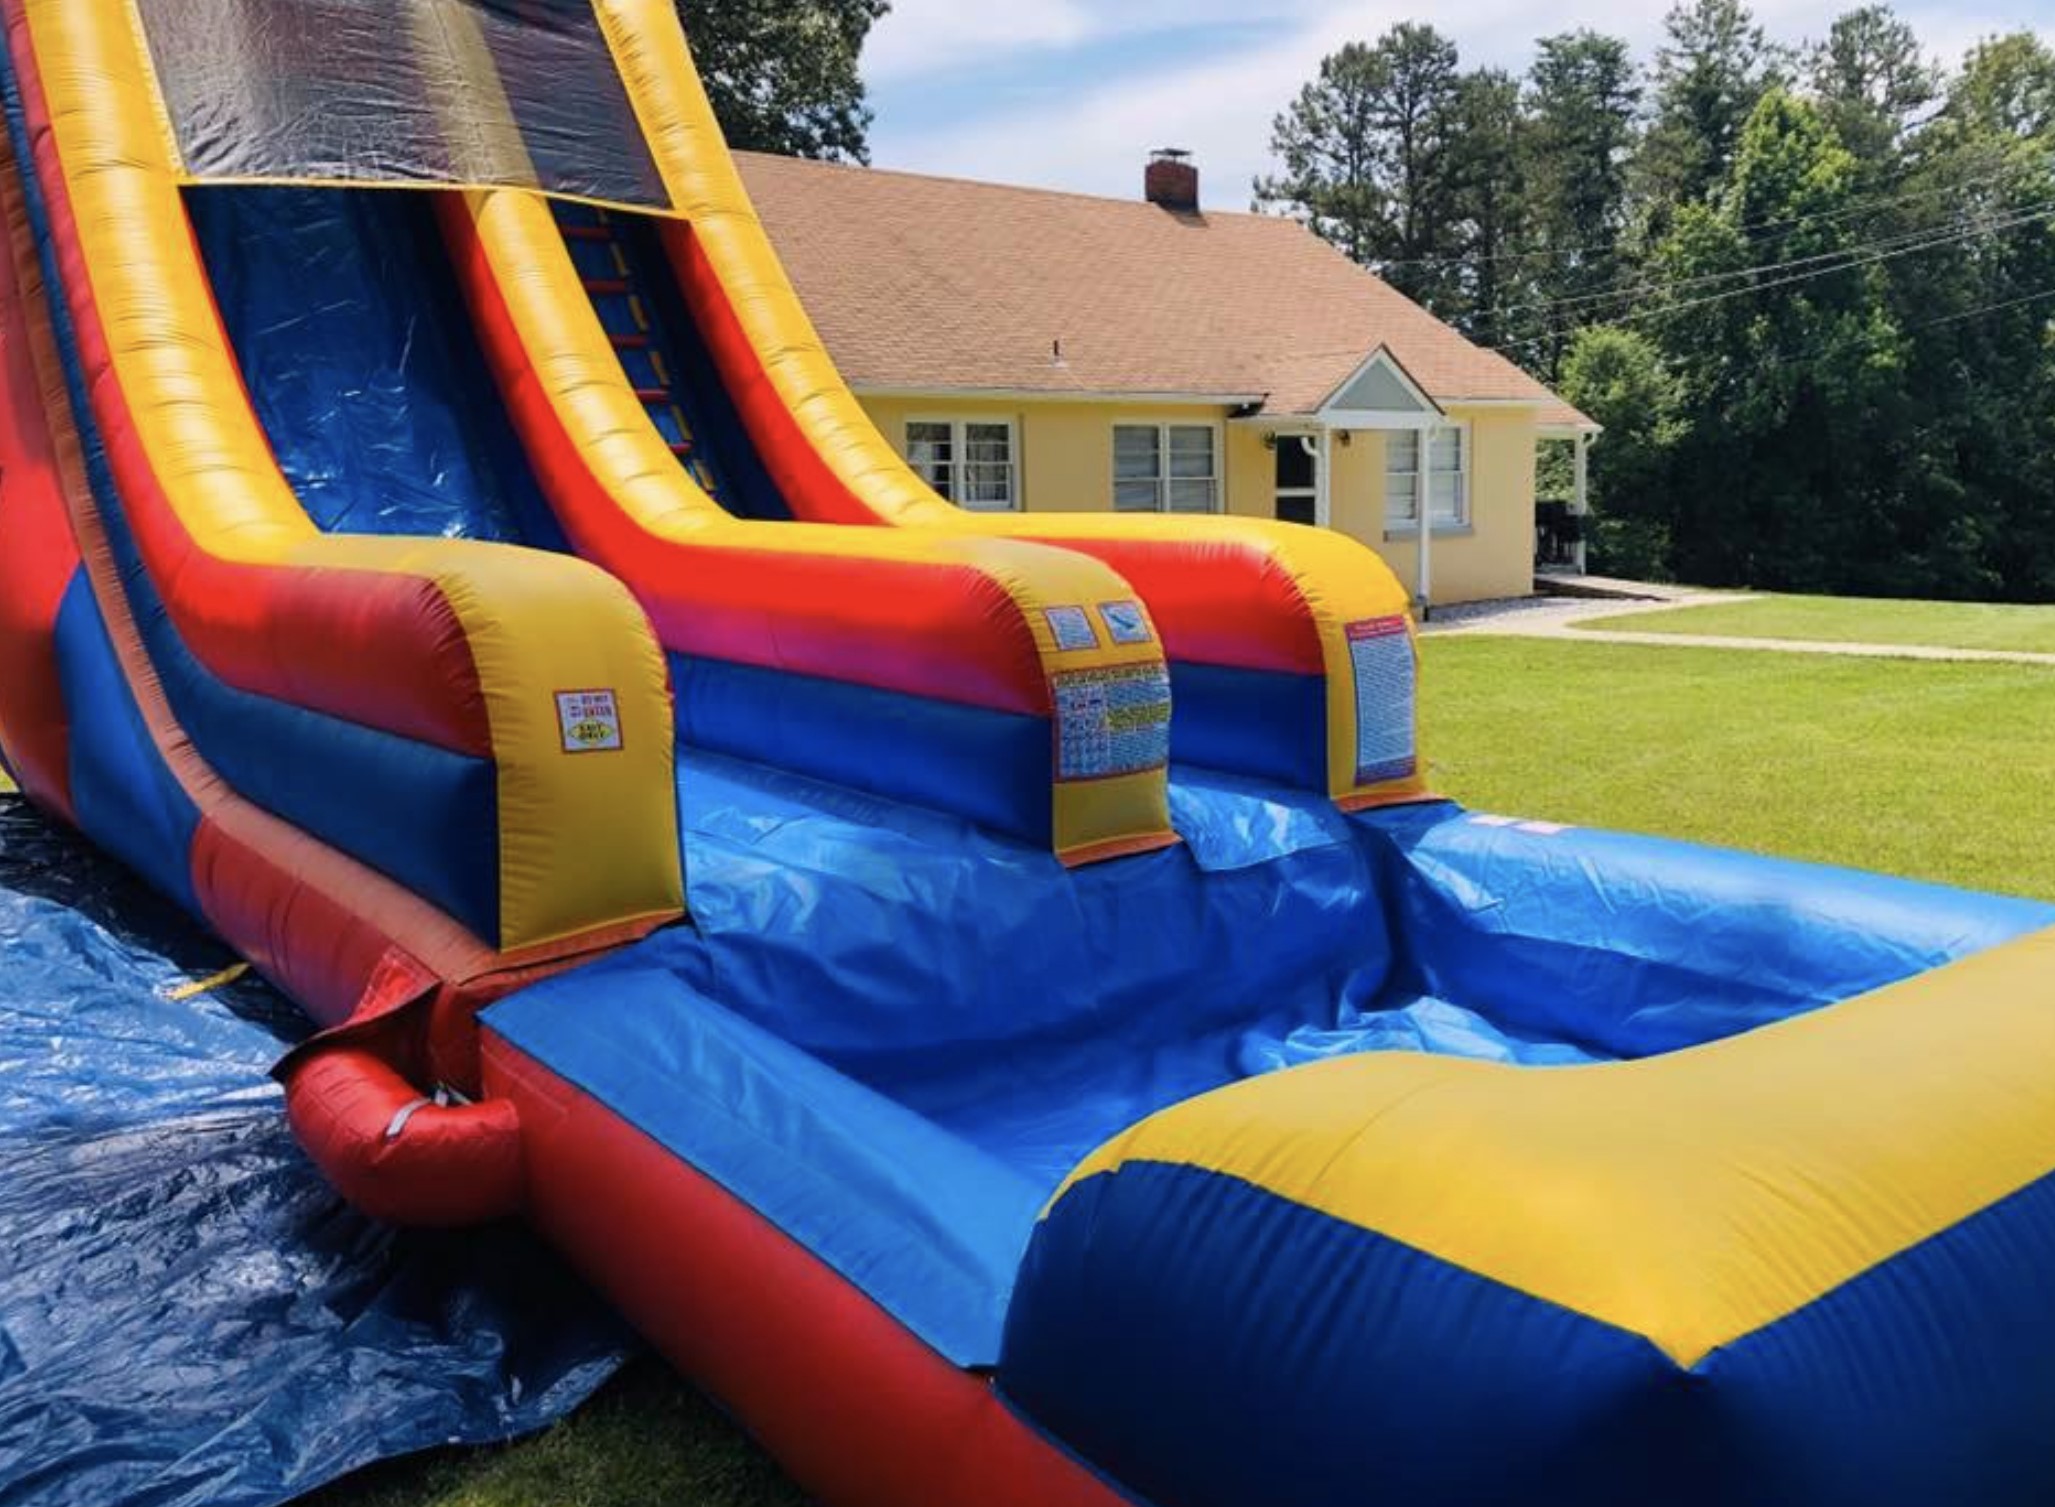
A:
[1445, 477]
[974, 463]
[1166, 468]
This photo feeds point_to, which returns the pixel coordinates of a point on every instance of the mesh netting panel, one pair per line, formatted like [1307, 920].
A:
[519, 93]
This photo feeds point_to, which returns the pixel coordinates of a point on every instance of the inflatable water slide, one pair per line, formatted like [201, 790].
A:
[994, 1000]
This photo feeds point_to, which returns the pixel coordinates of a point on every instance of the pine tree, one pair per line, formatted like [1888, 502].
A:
[1368, 158]
[1582, 94]
[782, 74]
[1873, 80]
[1488, 189]
[1713, 67]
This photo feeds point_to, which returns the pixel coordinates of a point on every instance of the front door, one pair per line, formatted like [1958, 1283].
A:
[1298, 479]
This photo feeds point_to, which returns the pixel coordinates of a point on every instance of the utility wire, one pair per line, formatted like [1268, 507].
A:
[1709, 279]
[1866, 206]
[1845, 264]
[1823, 350]
[1861, 254]
[1850, 264]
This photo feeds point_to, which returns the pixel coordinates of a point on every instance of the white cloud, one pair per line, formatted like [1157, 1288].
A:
[1094, 140]
[930, 36]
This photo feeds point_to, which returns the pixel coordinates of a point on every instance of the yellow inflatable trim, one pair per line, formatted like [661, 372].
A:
[580, 373]
[1692, 1199]
[1341, 581]
[585, 842]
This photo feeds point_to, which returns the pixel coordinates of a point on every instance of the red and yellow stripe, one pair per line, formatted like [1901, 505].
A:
[451, 643]
[943, 616]
[1229, 592]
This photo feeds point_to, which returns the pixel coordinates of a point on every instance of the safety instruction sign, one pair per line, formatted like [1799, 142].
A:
[1112, 722]
[1125, 622]
[590, 721]
[1381, 655]
[1071, 629]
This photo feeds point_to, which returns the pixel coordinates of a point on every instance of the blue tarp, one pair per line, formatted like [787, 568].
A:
[894, 1034]
[188, 1316]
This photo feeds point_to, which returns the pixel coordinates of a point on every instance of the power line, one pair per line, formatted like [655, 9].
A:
[1866, 206]
[1846, 264]
[1862, 254]
[1822, 350]
[1708, 279]
[1851, 263]
[1559, 253]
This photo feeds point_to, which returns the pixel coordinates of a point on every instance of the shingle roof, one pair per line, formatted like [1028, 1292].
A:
[925, 284]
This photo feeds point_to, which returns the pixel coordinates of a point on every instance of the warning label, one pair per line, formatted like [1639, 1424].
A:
[1125, 622]
[1112, 722]
[590, 721]
[1381, 654]
[1072, 628]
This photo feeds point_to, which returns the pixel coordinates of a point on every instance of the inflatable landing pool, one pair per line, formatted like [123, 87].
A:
[994, 999]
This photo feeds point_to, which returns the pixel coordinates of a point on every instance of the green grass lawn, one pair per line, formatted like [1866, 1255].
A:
[1941, 771]
[648, 1440]
[1854, 620]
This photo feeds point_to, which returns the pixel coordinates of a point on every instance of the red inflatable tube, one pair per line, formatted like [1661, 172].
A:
[394, 1154]
[39, 559]
[809, 484]
[849, 1401]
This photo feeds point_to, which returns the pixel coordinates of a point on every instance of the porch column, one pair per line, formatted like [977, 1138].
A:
[1323, 480]
[1580, 501]
[1423, 555]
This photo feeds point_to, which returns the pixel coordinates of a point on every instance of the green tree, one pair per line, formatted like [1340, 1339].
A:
[2007, 89]
[1822, 284]
[1715, 64]
[782, 74]
[1873, 80]
[1582, 94]
[1366, 151]
[1487, 181]
[1618, 376]
[1792, 381]
[1978, 306]
[1326, 142]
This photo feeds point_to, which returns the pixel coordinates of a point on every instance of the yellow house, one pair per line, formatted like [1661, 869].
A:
[1049, 351]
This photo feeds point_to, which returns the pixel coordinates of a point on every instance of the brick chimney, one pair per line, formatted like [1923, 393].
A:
[1172, 181]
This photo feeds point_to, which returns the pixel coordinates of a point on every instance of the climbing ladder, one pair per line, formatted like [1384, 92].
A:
[608, 273]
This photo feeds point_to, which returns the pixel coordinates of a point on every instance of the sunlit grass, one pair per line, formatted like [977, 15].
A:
[1938, 771]
[1844, 620]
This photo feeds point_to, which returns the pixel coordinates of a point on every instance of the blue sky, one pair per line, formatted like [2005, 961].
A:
[1073, 94]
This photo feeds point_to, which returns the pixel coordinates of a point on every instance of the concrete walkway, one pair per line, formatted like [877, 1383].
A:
[1546, 617]
[1560, 618]
[1612, 588]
